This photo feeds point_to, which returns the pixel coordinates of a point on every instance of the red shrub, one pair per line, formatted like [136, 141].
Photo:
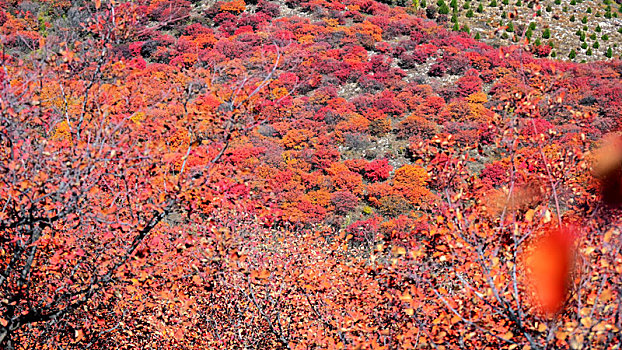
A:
[468, 84]
[344, 201]
[495, 174]
[541, 50]
[364, 230]
[378, 170]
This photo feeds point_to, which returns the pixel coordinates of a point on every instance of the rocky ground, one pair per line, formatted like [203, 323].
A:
[589, 27]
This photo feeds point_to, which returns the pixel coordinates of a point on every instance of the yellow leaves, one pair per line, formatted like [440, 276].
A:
[477, 97]
[297, 138]
[137, 117]
[370, 29]
[305, 39]
[3, 322]
[62, 131]
[279, 92]
[608, 235]
[560, 335]
[547, 216]
[411, 181]
[235, 6]
[529, 215]
[606, 295]
[576, 342]
[586, 322]
[406, 296]
[79, 334]
[397, 250]
[331, 22]
[260, 274]
[508, 335]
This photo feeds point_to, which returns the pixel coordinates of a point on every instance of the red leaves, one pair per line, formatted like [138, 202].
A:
[378, 170]
[549, 264]
[608, 169]
[469, 84]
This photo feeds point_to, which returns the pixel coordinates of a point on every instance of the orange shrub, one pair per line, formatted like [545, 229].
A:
[411, 181]
[235, 6]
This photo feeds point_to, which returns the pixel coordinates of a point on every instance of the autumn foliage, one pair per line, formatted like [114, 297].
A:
[300, 175]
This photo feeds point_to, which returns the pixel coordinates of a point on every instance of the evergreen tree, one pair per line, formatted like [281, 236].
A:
[443, 10]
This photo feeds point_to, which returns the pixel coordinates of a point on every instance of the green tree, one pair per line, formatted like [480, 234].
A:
[572, 54]
[609, 52]
[546, 34]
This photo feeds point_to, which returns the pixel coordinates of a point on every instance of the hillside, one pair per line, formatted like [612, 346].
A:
[301, 175]
[583, 30]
